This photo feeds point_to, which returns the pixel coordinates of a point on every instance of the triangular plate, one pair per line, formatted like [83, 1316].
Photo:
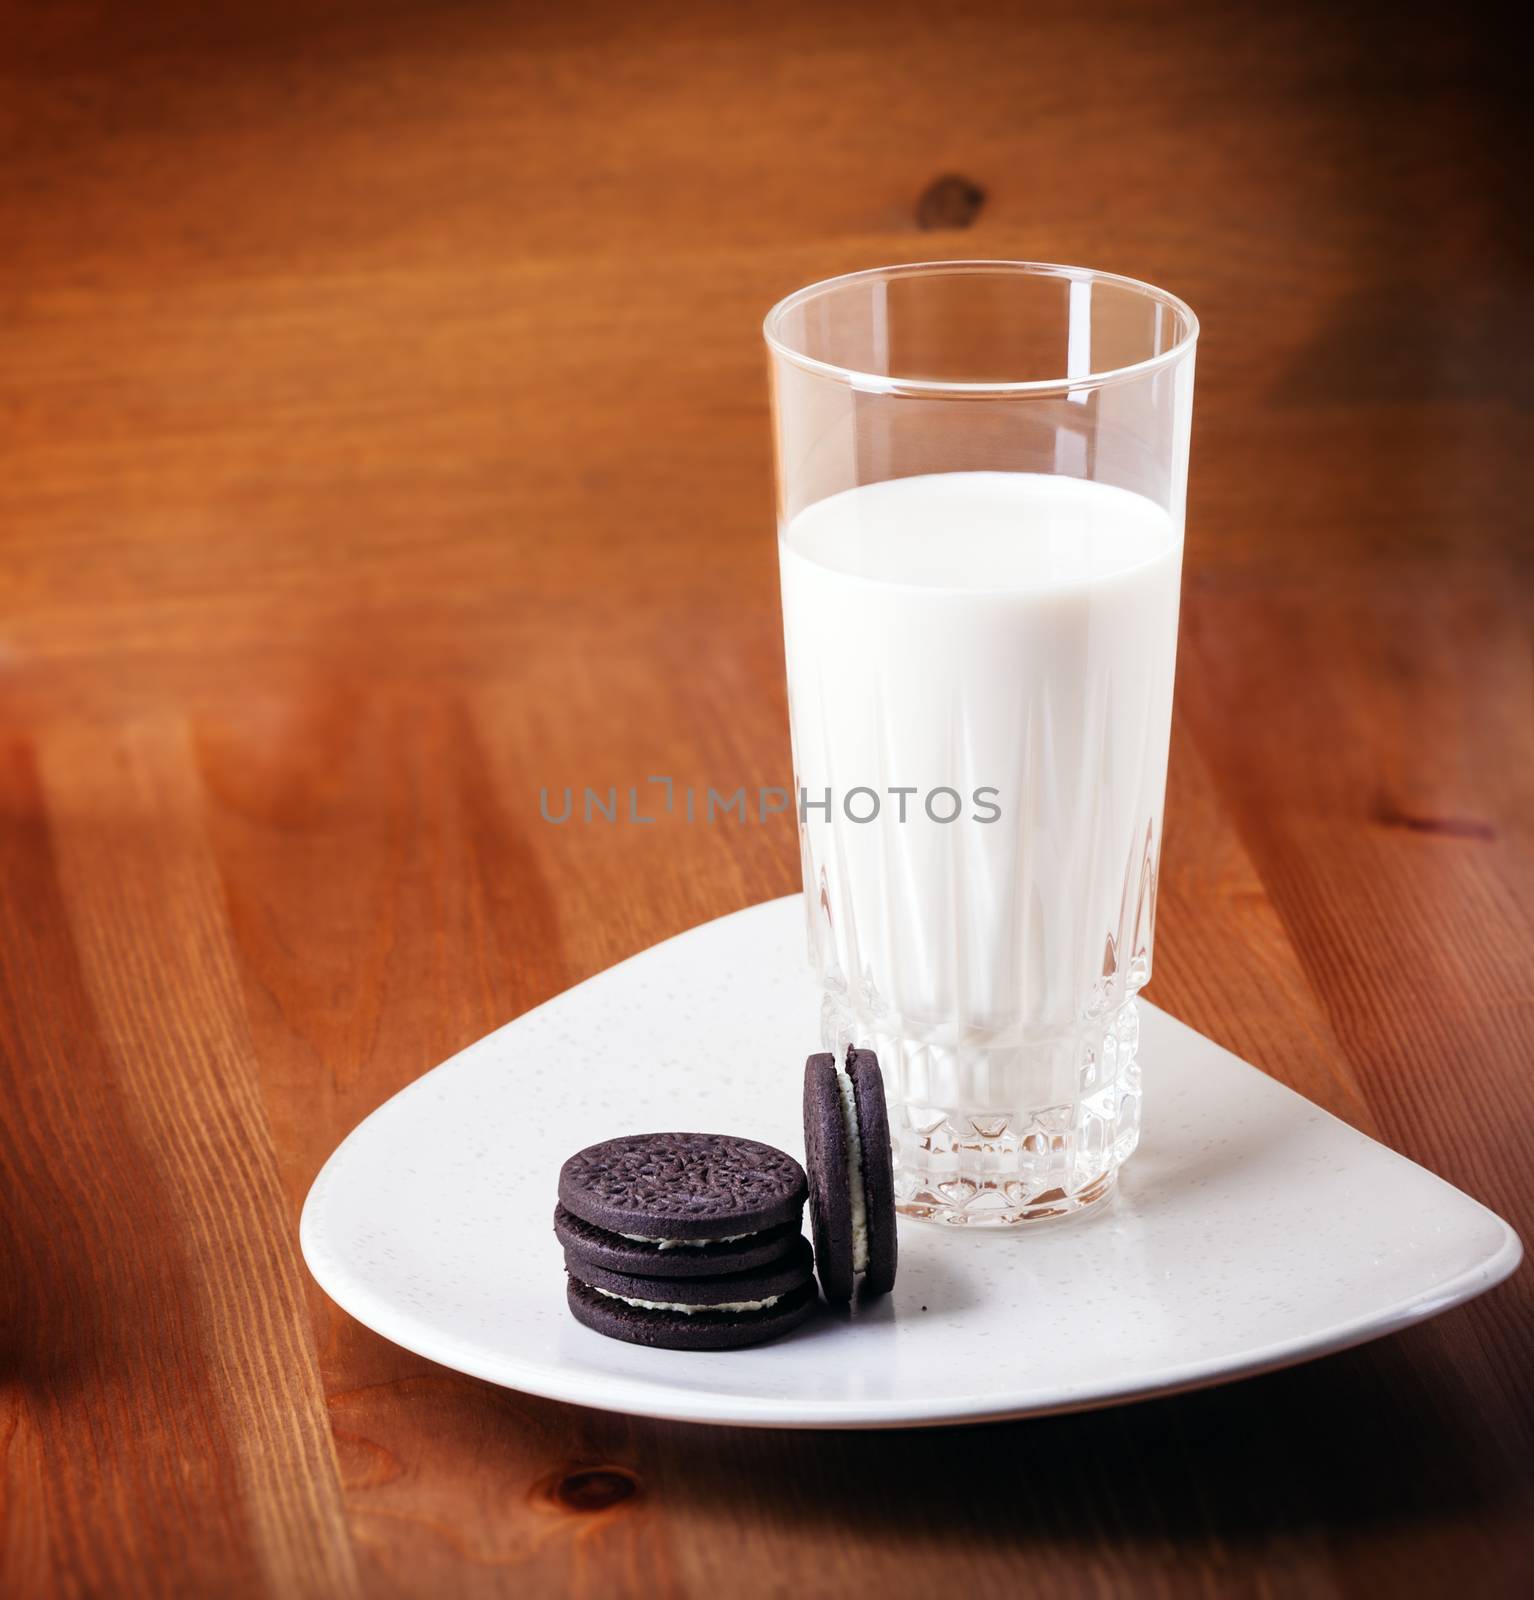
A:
[1252, 1229]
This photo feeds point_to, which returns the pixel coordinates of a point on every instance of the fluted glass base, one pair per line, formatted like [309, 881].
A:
[1001, 1136]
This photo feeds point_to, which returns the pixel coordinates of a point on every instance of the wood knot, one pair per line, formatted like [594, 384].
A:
[1446, 827]
[949, 202]
[589, 1489]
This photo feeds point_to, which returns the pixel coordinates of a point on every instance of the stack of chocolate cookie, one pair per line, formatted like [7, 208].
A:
[691, 1241]
[688, 1241]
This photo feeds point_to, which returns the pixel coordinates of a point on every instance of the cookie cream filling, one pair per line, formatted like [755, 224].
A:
[684, 1244]
[854, 1170]
[692, 1311]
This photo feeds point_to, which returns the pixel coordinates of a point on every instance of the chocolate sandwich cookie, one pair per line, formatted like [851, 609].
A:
[852, 1181]
[713, 1313]
[672, 1188]
[671, 1258]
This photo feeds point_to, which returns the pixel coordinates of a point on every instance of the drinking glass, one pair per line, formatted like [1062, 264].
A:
[981, 474]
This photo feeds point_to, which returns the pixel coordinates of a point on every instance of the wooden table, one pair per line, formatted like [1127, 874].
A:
[385, 436]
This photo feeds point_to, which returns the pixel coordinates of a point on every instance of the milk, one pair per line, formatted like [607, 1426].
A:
[1006, 641]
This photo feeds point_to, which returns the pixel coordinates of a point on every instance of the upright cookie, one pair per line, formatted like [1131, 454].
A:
[852, 1183]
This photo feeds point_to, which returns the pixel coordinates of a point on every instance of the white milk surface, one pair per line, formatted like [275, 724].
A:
[1010, 631]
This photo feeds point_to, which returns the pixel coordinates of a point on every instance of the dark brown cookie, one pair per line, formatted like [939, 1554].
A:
[765, 1283]
[596, 1247]
[878, 1171]
[825, 1159]
[852, 1187]
[675, 1330]
[683, 1186]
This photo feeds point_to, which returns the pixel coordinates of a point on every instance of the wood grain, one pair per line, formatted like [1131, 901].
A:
[384, 439]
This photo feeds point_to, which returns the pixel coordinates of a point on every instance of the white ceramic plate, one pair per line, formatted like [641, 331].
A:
[1252, 1229]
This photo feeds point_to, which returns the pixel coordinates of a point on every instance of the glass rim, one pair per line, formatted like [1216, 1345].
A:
[890, 384]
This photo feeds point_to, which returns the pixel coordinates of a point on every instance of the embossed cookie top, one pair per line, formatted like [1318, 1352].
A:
[683, 1185]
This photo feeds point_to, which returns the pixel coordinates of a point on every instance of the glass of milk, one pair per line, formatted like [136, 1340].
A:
[981, 471]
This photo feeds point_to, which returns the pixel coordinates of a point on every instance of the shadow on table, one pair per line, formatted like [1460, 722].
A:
[1358, 1439]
